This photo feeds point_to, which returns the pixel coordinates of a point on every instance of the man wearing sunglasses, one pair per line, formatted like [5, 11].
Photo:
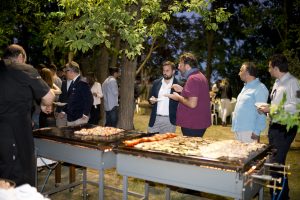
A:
[77, 94]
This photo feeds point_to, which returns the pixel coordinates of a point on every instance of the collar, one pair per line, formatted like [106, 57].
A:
[252, 83]
[74, 79]
[112, 77]
[284, 77]
[191, 71]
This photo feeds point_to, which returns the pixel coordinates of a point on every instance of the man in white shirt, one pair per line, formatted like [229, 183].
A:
[163, 115]
[279, 137]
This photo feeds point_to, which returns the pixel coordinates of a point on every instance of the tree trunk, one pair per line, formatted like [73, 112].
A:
[101, 63]
[101, 68]
[126, 109]
[115, 53]
[210, 52]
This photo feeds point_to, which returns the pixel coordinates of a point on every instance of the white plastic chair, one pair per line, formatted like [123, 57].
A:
[214, 116]
[137, 106]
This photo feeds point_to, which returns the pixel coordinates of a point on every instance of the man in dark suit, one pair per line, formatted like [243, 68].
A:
[163, 114]
[77, 95]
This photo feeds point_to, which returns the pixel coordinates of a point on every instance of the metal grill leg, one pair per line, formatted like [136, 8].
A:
[168, 196]
[101, 184]
[125, 187]
[146, 190]
[261, 194]
[84, 183]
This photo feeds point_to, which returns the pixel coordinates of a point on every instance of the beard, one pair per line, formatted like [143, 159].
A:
[166, 77]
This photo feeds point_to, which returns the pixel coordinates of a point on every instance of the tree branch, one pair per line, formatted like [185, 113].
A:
[152, 48]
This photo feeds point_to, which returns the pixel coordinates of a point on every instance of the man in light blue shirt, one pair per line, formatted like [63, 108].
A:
[247, 122]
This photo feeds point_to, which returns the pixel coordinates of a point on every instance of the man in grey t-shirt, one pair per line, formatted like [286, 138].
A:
[111, 93]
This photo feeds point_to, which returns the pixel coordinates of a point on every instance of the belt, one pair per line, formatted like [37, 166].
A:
[163, 115]
[275, 125]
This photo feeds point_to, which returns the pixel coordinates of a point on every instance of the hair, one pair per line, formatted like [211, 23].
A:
[225, 82]
[280, 61]
[74, 66]
[189, 58]
[169, 63]
[218, 81]
[251, 68]
[91, 79]
[53, 67]
[40, 66]
[113, 70]
[13, 51]
[47, 76]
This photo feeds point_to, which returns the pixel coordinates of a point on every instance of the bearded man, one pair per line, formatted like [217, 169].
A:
[163, 114]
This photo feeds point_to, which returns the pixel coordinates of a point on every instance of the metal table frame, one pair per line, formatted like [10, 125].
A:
[210, 180]
[77, 155]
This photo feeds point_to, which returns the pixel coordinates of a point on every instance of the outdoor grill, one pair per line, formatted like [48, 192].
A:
[62, 144]
[226, 177]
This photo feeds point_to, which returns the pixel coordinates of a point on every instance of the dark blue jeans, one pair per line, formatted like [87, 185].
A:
[193, 132]
[112, 117]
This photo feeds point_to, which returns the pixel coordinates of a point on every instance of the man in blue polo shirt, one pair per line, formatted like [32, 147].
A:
[247, 122]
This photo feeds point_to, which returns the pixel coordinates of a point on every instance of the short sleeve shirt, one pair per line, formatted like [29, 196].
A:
[198, 117]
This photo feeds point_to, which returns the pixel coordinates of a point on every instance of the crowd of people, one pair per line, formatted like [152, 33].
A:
[185, 103]
[37, 97]
[248, 121]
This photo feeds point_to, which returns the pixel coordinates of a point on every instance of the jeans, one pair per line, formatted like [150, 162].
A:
[112, 117]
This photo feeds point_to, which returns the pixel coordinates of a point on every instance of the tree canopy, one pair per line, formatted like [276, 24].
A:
[141, 34]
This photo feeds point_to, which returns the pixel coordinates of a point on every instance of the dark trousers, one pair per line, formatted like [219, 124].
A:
[281, 140]
[95, 115]
[112, 117]
[193, 132]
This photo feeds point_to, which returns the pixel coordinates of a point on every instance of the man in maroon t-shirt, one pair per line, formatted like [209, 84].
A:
[193, 112]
